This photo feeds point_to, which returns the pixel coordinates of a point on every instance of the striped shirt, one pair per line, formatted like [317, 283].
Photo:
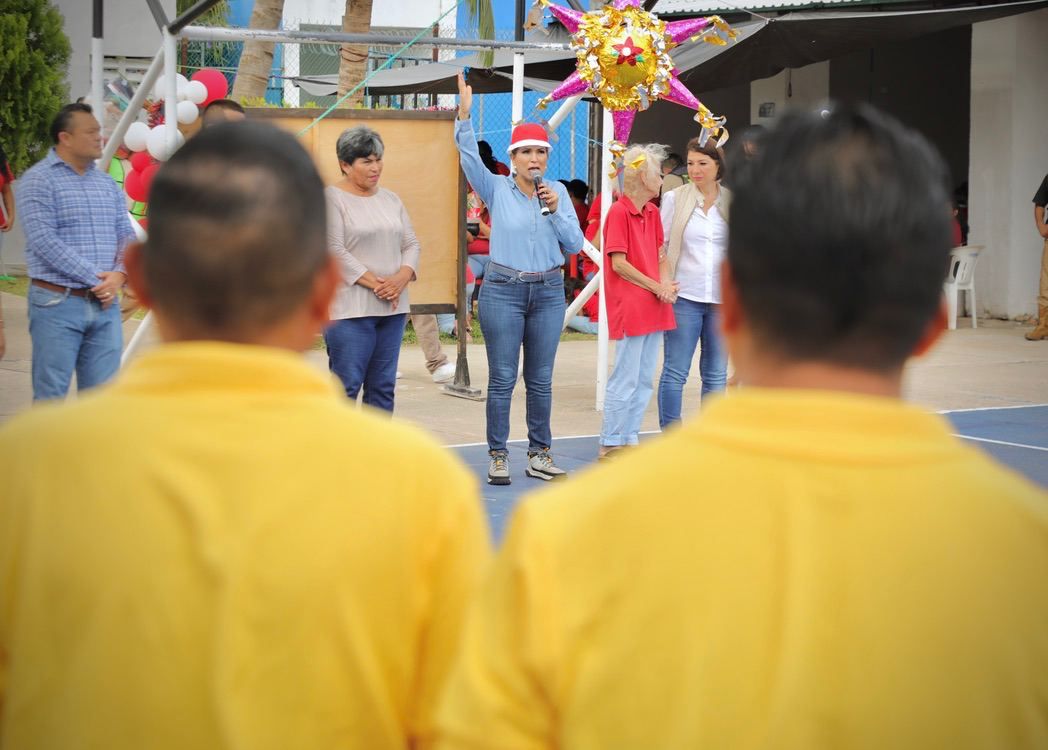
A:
[76, 225]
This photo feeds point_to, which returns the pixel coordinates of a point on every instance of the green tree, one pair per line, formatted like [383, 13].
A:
[34, 56]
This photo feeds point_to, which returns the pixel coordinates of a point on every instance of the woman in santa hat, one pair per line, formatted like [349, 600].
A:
[522, 299]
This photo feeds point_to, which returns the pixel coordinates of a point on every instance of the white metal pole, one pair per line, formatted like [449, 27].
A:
[147, 321]
[97, 53]
[137, 338]
[518, 87]
[131, 113]
[97, 91]
[171, 91]
[563, 111]
[605, 204]
[573, 144]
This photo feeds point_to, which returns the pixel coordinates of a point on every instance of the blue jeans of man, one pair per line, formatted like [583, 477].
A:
[71, 334]
[363, 352]
[696, 322]
[521, 310]
[629, 389]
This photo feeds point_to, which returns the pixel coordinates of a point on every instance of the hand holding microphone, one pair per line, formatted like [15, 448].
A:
[547, 198]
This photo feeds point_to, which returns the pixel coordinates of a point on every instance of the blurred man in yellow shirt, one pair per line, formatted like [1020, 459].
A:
[812, 563]
[218, 551]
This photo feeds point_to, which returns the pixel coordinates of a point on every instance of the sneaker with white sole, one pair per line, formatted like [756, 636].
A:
[498, 468]
[541, 466]
[445, 373]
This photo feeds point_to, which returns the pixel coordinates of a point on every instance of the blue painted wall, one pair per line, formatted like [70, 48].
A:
[498, 108]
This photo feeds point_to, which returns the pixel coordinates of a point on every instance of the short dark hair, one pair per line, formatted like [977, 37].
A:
[65, 116]
[237, 230]
[709, 148]
[838, 241]
[578, 189]
[219, 105]
[673, 160]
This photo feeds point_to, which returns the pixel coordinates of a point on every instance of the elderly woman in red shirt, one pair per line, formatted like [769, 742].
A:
[640, 296]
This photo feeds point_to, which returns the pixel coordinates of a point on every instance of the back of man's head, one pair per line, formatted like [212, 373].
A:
[838, 240]
[237, 232]
[222, 110]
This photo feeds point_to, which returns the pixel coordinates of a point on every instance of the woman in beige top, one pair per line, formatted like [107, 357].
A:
[370, 234]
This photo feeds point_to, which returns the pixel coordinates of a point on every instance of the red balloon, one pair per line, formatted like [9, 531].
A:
[214, 81]
[140, 160]
[147, 178]
[136, 191]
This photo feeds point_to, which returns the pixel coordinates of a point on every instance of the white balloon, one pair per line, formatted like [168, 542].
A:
[158, 90]
[157, 142]
[137, 136]
[187, 112]
[196, 92]
[181, 79]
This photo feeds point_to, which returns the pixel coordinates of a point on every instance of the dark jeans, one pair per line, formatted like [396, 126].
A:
[520, 309]
[363, 352]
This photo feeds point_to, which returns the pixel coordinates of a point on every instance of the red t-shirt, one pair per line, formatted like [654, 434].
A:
[632, 310]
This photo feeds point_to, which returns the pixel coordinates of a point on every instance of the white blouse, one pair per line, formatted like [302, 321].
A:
[702, 251]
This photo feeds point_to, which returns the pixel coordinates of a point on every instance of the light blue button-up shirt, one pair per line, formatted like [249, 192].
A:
[76, 225]
[521, 237]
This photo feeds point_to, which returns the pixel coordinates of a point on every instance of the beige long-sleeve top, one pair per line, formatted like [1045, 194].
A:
[368, 233]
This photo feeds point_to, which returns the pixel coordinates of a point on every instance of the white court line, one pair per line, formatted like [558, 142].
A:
[990, 408]
[1001, 442]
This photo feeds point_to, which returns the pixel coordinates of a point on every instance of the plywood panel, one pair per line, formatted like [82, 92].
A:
[420, 165]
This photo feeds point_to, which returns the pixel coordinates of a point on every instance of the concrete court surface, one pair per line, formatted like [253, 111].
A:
[990, 366]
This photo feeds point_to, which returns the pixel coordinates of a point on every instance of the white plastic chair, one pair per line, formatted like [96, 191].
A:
[960, 277]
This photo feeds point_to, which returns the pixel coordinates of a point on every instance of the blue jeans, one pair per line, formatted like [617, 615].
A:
[583, 324]
[516, 311]
[71, 334]
[363, 353]
[696, 321]
[478, 264]
[629, 389]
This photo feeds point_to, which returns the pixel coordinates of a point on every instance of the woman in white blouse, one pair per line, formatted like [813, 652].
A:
[370, 234]
[695, 224]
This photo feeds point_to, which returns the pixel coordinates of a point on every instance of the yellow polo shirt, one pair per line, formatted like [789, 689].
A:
[792, 570]
[219, 551]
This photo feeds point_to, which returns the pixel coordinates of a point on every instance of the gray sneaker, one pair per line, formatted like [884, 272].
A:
[498, 468]
[541, 466]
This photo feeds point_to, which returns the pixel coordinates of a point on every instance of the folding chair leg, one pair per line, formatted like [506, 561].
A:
[971, 301]
[951, 307]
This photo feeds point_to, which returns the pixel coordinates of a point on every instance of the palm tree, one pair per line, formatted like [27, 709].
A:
[354, 57]
[256, 61]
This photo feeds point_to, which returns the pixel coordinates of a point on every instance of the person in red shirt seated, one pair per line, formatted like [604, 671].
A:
[640, 295]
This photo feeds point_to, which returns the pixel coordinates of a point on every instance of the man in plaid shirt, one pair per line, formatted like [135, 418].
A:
[76, 226]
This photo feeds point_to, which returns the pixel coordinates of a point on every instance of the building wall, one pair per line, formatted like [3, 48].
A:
[1009, 158]
[128, 27]
[797, 87]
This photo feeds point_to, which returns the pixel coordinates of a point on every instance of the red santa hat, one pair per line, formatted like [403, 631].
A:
[528, 134]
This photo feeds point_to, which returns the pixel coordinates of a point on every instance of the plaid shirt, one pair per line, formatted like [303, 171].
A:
[76, 226]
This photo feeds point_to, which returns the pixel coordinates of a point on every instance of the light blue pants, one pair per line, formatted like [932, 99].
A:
[71, 334]
[629, 389]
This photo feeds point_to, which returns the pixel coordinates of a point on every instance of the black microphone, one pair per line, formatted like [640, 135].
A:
[536, 177]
